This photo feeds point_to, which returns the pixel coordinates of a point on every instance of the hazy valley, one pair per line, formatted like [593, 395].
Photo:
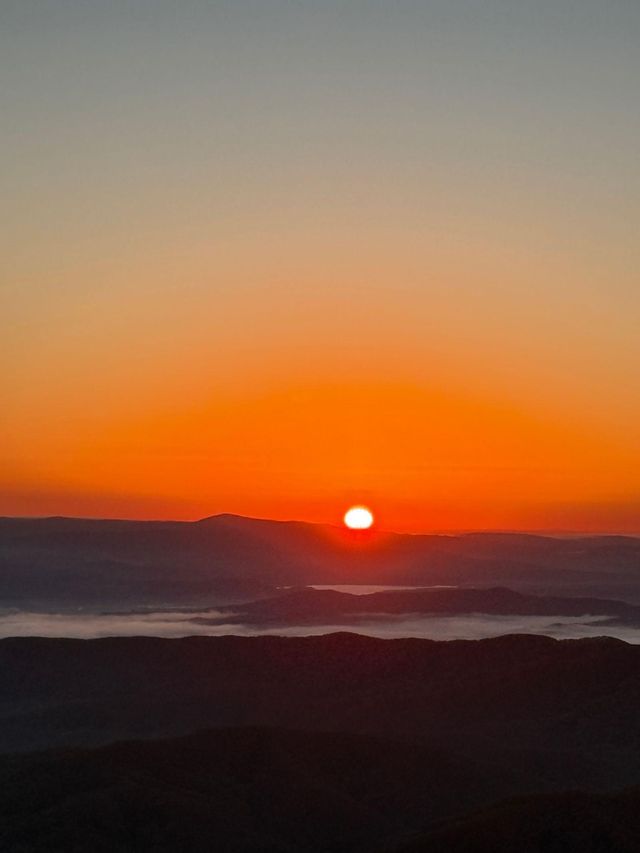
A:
[271, 685]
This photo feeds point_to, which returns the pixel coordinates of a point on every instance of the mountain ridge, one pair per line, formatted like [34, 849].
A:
[69, 561]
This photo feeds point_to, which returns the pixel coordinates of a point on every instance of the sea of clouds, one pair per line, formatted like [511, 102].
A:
[176, 623]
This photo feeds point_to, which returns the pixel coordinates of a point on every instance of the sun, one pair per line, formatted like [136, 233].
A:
[358, 518]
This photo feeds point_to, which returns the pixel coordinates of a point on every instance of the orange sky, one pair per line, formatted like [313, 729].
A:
[422, 457]
[275, 264]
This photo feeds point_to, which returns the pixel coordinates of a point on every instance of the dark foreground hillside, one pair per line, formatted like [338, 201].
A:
[247, 789]
[573, 822]
[513, 692]
[331, 743]
[258, 790]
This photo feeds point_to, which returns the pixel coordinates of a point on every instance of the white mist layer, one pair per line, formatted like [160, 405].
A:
[175, 624]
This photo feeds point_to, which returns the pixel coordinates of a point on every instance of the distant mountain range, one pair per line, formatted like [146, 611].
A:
[331, 607]
[66, 562]
[329, 744]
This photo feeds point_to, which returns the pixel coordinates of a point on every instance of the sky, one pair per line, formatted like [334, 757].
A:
[278, 257]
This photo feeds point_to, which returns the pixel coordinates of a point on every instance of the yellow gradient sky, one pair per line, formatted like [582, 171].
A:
[274, 258]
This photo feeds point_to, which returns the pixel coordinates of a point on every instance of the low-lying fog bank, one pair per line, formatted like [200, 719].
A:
[181, 624]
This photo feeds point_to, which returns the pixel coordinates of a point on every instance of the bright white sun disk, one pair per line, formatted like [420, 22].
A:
[358, 518]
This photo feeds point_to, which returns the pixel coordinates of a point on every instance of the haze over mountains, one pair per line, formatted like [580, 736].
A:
[345, 743]
[326, 606]
[59, 562]
[338, 743]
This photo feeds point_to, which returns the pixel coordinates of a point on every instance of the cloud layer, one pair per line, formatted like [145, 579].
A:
[181, 623]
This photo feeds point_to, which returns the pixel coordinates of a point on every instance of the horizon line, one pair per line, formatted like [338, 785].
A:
[541, 532]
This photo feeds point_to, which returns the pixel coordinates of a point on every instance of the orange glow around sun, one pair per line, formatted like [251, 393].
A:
[315, 316]
[358, 518]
